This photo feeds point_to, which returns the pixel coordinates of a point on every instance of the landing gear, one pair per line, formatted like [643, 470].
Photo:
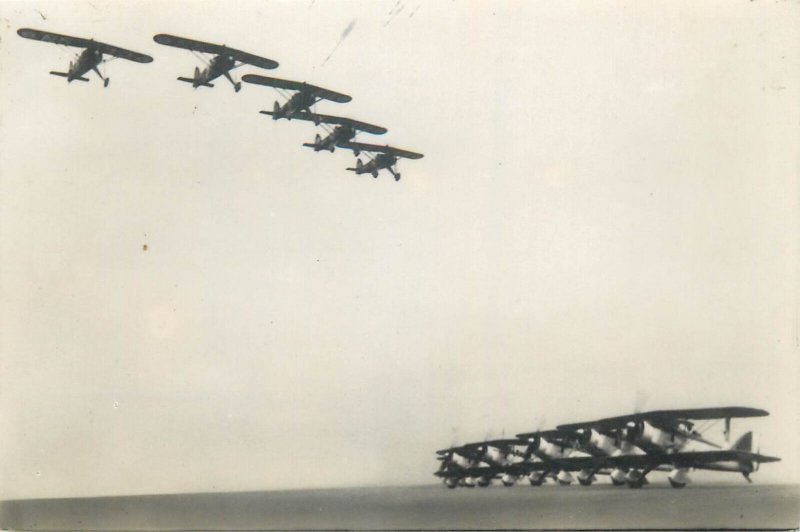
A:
[105, 80]
[676, 485]
[237, 85]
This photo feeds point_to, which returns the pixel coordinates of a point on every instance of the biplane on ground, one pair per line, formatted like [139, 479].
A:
[304, 97]
[627, 448]
[225, 59]
[344, 131]
[385, 158]
[89, 59]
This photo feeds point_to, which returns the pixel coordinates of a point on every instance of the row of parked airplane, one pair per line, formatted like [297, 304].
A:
[340, 131]
[625, 448]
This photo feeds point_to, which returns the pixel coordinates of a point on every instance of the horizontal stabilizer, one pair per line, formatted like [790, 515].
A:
[193, 82]
[309, 145]
[62, 74]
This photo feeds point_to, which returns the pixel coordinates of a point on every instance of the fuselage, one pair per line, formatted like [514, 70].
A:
[651, 438]
[219, 65]
[338, 136]
[88, 60]
[299, 102]
[381, 161]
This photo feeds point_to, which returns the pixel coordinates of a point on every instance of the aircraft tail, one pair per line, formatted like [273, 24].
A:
[66, 75]
[744, 443]
[359, 166]
[194, 82]
[746, 463]
[196, 73]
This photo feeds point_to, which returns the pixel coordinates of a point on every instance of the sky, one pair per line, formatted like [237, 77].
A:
[605, 220]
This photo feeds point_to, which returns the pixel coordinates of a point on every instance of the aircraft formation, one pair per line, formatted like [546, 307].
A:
[624, 448]
[340, 132]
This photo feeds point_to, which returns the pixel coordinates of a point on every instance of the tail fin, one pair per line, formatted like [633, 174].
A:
[359, 164]
[319, 139]
[196, 73]
[746, 464]
[744, 443]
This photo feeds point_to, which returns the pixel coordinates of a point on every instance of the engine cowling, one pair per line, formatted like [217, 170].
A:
[508, 480]
[484, 481]
[451, 482]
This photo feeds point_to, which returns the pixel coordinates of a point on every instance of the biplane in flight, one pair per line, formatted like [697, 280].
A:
[225, 59]
[89, 59]
[627, 448]
[386, 158]
[346, 129]
[304, 97]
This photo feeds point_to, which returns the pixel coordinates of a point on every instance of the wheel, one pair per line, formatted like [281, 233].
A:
[676, 485]
[635, 484]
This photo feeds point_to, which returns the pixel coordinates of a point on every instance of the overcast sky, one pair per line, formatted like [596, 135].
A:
[606, 219]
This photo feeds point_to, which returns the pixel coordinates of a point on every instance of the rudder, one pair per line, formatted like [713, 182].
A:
[744, 443]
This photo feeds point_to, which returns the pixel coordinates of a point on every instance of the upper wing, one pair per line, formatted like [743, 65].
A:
[361, 126]
[116, 51]
[83, 43]
[667, 416]
[210, 48]
[555, 433]
[375, 148]
[340, 121]
[56, 38]
[252, 59]
[189, 44]
[288, 84]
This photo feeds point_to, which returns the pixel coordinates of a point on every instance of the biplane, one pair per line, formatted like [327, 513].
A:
[89, 59]
[627, 448]
[739, 458]
[662, 430]
[345, 131]
[482, 461]
[304, 97]
[225, 59]
[386, 157]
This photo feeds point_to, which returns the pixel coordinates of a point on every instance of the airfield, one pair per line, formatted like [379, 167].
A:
[433, 507]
